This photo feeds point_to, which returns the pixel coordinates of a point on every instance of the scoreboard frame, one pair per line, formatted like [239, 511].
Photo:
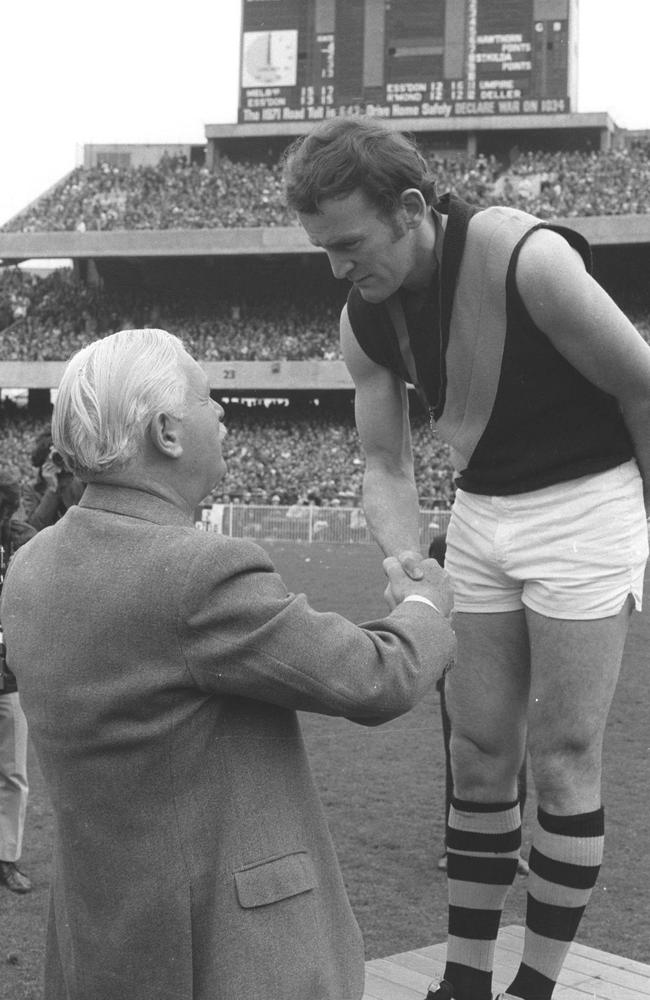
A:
[306, 60]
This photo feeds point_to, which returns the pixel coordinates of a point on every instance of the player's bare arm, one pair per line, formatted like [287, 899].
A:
[586, 326]
[381, 409]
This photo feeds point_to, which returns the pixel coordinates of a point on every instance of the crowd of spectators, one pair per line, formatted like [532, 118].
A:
[18, 291]
[19, 430]
[50, 318]
[274, 453]
[571, 184]
[276, 331]
[178, 195]
[171, 195]
[305, 454]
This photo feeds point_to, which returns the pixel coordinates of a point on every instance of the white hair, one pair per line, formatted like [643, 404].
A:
[109, 392]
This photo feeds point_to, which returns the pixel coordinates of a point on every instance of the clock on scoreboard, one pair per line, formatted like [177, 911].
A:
[269, 58]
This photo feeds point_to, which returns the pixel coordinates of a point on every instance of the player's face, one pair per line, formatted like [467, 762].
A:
[373, 251]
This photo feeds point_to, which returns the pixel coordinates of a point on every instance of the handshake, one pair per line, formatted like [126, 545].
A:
[409, 573]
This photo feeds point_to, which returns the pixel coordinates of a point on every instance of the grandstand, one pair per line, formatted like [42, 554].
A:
[187, 248]
[196, 239]
[190, 249]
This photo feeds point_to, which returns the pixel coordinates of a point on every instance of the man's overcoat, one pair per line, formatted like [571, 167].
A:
[161, 669]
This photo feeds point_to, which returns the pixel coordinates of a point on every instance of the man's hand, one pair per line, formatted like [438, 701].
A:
[434, 585]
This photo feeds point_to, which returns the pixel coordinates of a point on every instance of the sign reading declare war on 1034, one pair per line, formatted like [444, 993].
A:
[500, 78]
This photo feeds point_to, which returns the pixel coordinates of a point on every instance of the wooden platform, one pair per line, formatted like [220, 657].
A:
[588, 974]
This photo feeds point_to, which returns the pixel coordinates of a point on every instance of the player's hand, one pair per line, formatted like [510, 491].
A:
[410, 561]
[435, 584]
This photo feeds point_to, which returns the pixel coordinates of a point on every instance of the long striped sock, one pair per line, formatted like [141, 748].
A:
[482, 852]
[564, 863]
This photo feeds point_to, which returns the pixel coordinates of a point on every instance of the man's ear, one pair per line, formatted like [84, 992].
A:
[414, 205]
[165, 434]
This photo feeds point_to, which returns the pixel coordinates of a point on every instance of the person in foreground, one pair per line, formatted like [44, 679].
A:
[541, 387]
[14, 787]
[161, 669]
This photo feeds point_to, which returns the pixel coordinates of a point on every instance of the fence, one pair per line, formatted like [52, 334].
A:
[299, 523]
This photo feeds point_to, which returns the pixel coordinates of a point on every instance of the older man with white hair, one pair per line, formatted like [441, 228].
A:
[161, 670]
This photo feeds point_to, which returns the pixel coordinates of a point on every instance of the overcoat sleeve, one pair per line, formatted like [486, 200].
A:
[241, 633]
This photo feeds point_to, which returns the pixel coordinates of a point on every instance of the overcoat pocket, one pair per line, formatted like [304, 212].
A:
[279, 878]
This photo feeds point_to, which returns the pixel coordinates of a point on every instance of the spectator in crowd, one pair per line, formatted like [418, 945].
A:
[191, 857]
[55, 489]
[14, 788]
[542, 386]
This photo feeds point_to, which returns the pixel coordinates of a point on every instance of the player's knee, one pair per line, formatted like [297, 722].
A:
[484, 769]
[562, 769]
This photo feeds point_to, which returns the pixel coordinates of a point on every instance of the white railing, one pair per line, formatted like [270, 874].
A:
[299, 523]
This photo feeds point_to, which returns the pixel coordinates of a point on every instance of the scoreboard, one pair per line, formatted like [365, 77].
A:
[305, 60]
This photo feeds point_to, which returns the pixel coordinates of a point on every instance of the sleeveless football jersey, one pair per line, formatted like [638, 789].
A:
[516, 414]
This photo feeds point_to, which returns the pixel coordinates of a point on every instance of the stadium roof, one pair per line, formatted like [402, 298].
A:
[600, 230]
[599, 120]
[15, 247]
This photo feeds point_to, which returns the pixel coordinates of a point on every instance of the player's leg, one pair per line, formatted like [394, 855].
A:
[582, 579]
[449, 784]
[574, 670]
[487, 694]
[487, 698]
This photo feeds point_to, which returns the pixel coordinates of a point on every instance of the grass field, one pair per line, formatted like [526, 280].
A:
[383, 790]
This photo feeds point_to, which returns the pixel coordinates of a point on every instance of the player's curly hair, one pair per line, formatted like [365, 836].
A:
[342, 155]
